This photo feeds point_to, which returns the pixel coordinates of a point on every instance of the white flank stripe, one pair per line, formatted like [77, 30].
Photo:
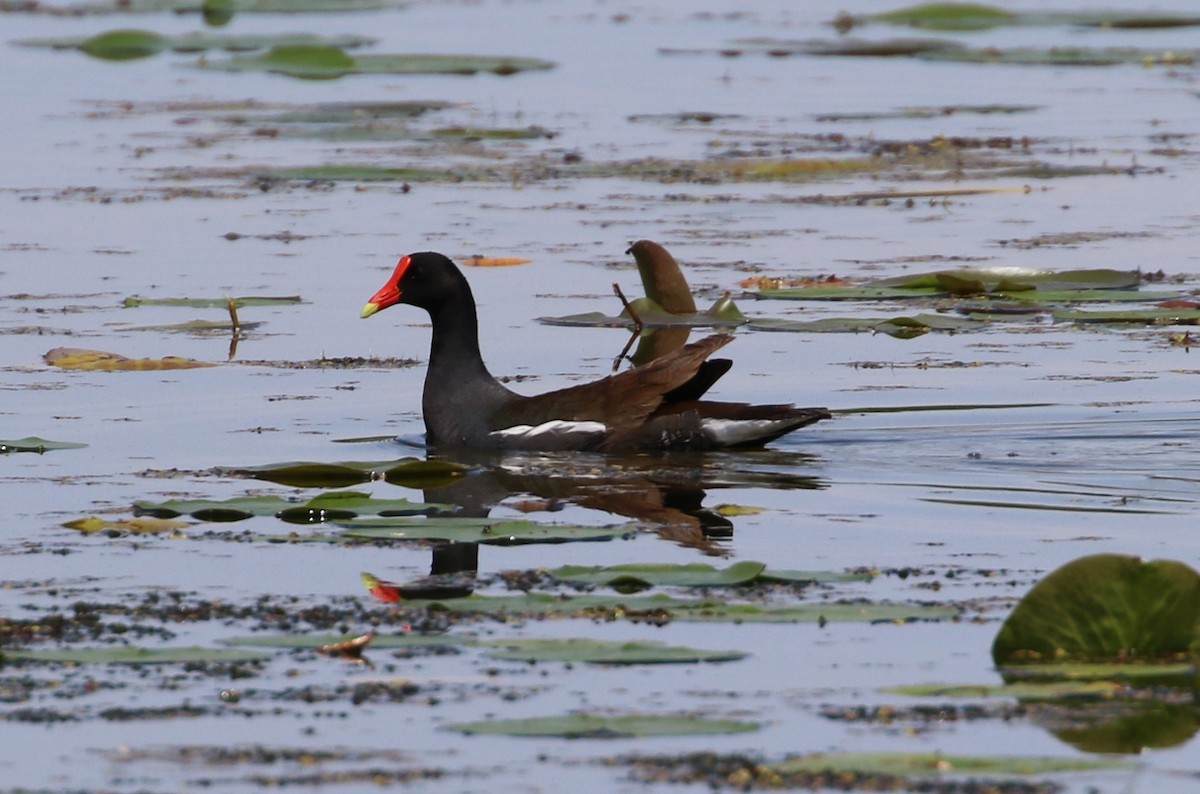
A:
[740, 431]
[553, 427]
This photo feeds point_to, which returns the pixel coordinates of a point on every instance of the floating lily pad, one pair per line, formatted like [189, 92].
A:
[1013, 279]
[978, 16]
[325, 507]
[1136, 673]
[723, 314]
[1132, 316]
[188, 655]
[204, 7]
[325, 62]
[200, 327]
[1105, 607]
[584, 726]
[1033, 692]
[136, 526]
[35, 444]
[315, 641]
[899, 327]
[212, 303]
[589, 651]
[358, 173]
[100, 361]
[128, 44]
[641, 575]
[661, 608]
[480, 530]
[1066, 56]
[409, 471]
[867, 292]
[123, 45]
[904, 765]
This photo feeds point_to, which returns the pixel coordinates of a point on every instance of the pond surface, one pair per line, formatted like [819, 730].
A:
[959, 468]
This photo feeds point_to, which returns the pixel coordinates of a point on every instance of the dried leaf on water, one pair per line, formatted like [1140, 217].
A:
[74, 358]
[137, 526]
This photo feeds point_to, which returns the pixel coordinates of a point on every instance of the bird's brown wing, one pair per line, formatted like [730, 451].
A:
[618, 400]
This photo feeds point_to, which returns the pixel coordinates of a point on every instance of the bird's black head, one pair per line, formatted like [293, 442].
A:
[426, 279]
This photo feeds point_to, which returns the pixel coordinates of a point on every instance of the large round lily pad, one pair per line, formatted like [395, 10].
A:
[1106, 607]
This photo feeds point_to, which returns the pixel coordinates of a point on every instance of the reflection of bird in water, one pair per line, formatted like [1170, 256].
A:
[666, 493]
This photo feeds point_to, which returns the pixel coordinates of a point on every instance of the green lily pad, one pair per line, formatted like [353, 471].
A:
[320, 62]
[813, 577]
[584, 726]
[589, 651]
[1105, 607]
[661, 608]
[218, 13]
[1135, 673]
[946, 16]
[977, 16]
[212, 303]
[1032, 692]
[201, 6]
[722, 314]
[898, 327]
[410, 472]
[480, 530]
[314, 641]
[121, 45]
[642, 575]
[200, 327]
[906, 765]
[325, 507]
[867, 292]
[358, 173]
[35, 444]
[126, 655]
[1015, 279]
[1065, 56]
[1132, 316]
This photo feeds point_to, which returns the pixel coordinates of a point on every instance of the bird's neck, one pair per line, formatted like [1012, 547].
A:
[454, 349]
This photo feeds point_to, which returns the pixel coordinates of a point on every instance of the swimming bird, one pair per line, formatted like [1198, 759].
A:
[655, 406]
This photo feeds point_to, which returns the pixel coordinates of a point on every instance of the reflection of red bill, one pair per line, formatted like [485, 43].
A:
[386, 592]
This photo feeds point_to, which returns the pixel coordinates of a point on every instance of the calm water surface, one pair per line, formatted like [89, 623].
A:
[981, 502]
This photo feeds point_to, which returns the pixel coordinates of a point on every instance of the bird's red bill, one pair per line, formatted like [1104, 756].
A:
[389, 293]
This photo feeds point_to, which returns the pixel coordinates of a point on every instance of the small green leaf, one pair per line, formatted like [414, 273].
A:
[307, 61]
[123, 45]
[35, 444]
